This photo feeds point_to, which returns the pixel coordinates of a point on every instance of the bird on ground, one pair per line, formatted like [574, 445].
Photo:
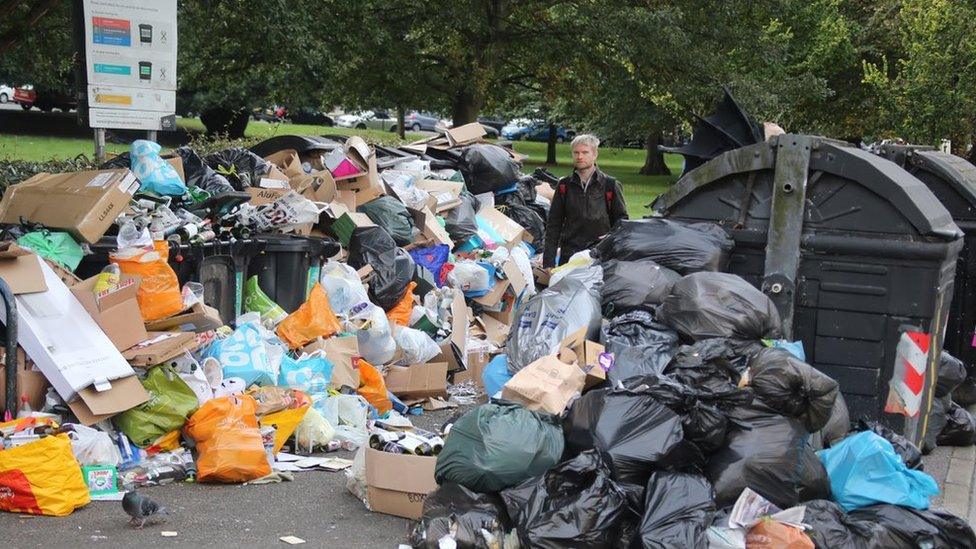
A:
[141, 509]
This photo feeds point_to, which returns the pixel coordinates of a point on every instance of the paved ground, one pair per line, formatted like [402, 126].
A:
[955, 469]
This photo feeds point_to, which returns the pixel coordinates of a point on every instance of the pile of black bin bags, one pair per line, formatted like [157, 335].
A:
[696, 409]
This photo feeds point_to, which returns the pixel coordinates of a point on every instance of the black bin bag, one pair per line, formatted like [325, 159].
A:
[704, 305]
[574, 504]
[768, 453]
[241, 167]
[198, 174]
[634, 431]
[393, 267]
[488, 168]
[907, 528]
[960, 427]
[715, 363]
[793, 387]
[460, 222]
[640, 284]
[678, 509]
[453, 510]
[684, 247]
[952, 373]
[640, 345]
[906, 450]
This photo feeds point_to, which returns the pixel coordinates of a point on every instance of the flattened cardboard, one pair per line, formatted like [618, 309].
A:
[343, 353]
[454, 350]
[446, 193]
[541, 276]
[116, 313]
[84, 204]
[398, 484]
[430, 228]
[495, 330]
[198, 318]
[510, 231]
[586, 354]
[93, 406]
[261, 196]
[418, 380]
[177, 163]
[514, 281]
[21, 269]
[174, 345]
[547, 385]
[476, 367]
[462, 135]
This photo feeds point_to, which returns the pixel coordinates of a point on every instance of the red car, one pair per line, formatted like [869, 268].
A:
[45, 100]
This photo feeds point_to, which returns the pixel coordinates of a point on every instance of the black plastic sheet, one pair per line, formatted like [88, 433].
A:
[241, 167]
[198, 174]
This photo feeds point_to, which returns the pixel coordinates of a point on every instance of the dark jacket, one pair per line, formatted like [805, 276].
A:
[577, 219]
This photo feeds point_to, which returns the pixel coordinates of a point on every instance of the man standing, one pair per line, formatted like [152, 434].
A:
[584, 207]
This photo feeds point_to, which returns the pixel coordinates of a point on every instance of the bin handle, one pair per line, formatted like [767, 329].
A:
[10, 363]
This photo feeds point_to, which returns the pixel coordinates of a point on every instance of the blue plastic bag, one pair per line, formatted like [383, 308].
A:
[243, 354]
[433, 258]
[495, 375]
[864, 470]
[311, 374]
[155, 175]
[795, 348]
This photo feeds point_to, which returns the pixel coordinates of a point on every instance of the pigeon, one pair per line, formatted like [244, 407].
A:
[141, 508]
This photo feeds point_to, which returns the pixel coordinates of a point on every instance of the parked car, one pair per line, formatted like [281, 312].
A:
[265, 114]
[6, 93]
[536, 131]
[311, 116]
[349, 120]
[422, 121]
[46, 100]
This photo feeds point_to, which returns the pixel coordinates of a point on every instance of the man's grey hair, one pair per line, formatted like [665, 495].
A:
[586, 139]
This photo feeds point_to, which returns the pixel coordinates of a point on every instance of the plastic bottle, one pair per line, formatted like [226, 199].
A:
[108, 279]
[25, 409]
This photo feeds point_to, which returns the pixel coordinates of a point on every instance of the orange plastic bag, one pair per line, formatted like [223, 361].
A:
[228, 440]
[373, 388]
[42, 478]
[312, 320]
[400, 313]
[772, 534]
[159, 291]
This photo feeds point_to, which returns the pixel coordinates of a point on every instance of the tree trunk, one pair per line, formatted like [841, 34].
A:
[551, 146]
[465, 107]
[654, 161]
[225, 121]
[401, 131]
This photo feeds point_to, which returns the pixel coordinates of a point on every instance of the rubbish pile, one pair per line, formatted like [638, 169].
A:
[236, 317]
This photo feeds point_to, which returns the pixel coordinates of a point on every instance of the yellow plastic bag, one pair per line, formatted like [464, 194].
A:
[285, 422]
[400, 313]
[228, 441]
[312, 320]
[373, 388]
[42, 478]
[159, 291]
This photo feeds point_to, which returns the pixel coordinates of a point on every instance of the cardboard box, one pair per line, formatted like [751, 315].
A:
[261, 196]
[398, 484]
[430, 229]
[117, 313]
[586, 354]
[348, 223]
[367, 186]
[541, 275]
[84, 204]
[20, 269]
[161, 347]
[476, 367]
[511, 232]
[316, 186]
[514, 283]
[495, 331]
[74, 354]
[287, 161]
[198, 318]
[30, 382]
[547, 385]
[418, 380]
[343, 353]
[462, 135]
[177, 163]
[446, 193]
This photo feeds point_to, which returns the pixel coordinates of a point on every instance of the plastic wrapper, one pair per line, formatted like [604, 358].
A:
[42, 478]
[273, 399]
[228, 441]
[545, 319]
[460, 222]
[575, 504]
[91, 446]
[284, 422]
[200, 175]
[155, 175]
[192, 374]
[471, 520]
[471, 277]
[433, 259]
[864, 469]
[960, 428]
[772, 534]
[766, 452]
[313, 433]
[239, 166]
[634, 431]
[400, 313]
[343, 286]
[417, 346]
[704, 305]
[374, 333]
[951, 374]
[640, 345]
[172, 403]
[910, 454]
[683, 247]
[347, 414]
[577, 261]
[631, 285]
[59, 247]
[159, 294]
[495, 446]
[496, 374]
[793, 387]
[488, 168]
[312, 320]
[678, 508]
[391, 214]
[393, 268]
[289, 212]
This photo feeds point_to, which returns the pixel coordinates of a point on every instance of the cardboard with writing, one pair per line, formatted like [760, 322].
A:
[84, 204]
[160, 347]
[343, 353]
[398, 484]
[116, 312]
[547, 385]
[418, 380]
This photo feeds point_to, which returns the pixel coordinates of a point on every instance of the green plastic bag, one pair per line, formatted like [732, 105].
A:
[56, 246]
[256, 301]
[171, 402]
[392, 215]
[495, 446]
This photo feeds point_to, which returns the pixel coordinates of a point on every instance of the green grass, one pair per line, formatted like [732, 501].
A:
[624, 164]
